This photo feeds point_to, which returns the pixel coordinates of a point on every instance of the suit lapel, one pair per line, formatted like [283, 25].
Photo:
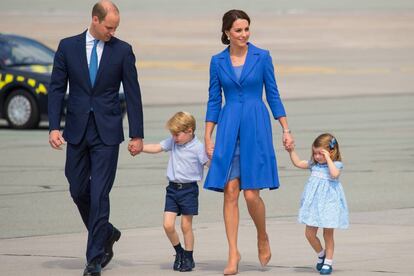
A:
[250, 62]
[225, 64]
[83, 59]
[106, 55]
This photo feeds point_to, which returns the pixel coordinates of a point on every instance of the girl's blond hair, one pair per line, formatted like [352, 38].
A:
[182, 121]
[327, 141]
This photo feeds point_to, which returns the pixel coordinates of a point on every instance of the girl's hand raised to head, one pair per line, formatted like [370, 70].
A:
[326, 154]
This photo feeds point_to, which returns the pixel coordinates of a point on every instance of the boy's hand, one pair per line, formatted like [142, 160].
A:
[135, 146]
[209, 145]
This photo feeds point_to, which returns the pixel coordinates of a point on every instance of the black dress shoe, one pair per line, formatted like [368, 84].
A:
[178, 260]
[92, 269]
[109, 253]
[187, 264]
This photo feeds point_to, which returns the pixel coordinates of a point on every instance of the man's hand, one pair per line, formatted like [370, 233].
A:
[135, 146]
[56, 139]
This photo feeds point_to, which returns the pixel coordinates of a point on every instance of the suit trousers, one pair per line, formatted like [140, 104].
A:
[90, 169]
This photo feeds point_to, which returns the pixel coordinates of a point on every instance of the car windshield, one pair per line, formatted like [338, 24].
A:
[20, 51]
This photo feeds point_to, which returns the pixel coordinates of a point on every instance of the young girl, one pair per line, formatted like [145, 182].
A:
[323, 201]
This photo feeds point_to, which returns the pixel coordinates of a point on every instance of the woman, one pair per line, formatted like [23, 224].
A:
[243, 157]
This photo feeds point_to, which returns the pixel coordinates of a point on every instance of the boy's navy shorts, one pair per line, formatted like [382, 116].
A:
[182, 198]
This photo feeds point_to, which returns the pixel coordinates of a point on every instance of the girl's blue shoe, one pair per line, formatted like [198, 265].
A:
[326, 270]
[319, 265]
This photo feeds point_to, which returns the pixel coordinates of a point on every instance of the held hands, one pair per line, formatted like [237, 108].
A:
[288, 141]
[135, 146]
[209, 145]
[56, 140]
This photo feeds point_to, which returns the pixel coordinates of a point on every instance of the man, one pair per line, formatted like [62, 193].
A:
[95, 63]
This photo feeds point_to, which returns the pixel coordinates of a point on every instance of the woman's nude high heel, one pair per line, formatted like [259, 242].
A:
[264, 251]
[231, 270]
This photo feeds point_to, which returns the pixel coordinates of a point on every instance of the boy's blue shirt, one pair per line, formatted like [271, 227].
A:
[186, 162]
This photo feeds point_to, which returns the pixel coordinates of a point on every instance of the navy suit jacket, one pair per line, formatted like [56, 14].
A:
[117, 65]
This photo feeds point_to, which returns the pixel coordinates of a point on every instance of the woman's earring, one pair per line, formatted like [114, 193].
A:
[228, 38]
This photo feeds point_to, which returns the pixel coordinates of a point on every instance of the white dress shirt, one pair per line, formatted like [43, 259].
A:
[89, 46]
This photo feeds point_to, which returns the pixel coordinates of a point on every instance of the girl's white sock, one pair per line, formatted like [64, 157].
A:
[328, 262]
[322, 253]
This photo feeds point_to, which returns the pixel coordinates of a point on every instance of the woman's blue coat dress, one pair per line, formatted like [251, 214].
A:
[244, 117]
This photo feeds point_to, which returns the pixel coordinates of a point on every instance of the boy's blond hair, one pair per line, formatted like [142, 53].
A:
[182, 121]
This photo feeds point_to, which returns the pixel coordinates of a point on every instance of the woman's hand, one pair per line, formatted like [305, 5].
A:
[209, 145]
[288, 141]
[208, 142]
[287, 137]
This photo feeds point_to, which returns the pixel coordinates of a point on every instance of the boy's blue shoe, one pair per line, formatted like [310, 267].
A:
[326, 270]
[320, 264]
[187, 264]
[178, 261]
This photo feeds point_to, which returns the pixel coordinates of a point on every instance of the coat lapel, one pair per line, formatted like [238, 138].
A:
[225, 64]
[83, 59]
[250, 62]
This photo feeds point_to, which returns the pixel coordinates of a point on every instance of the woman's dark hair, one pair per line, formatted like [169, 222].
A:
[228, 20]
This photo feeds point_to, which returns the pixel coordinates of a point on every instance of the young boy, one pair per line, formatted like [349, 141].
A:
[185, 168]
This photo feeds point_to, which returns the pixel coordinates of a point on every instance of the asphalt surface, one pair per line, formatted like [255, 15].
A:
[377, 243]
[40, 226]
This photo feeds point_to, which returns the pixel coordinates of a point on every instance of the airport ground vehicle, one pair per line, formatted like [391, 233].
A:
[25, 70]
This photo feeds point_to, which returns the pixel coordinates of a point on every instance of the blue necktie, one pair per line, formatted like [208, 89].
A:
[93, 63]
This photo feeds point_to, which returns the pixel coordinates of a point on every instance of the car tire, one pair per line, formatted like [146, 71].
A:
[21, 110]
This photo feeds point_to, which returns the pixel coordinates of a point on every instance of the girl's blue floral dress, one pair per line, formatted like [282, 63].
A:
[323, 202]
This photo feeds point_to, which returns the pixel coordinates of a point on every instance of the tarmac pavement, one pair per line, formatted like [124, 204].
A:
[41, 231]
[377, 243]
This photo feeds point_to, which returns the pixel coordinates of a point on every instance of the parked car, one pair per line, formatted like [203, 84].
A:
[25, 70]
